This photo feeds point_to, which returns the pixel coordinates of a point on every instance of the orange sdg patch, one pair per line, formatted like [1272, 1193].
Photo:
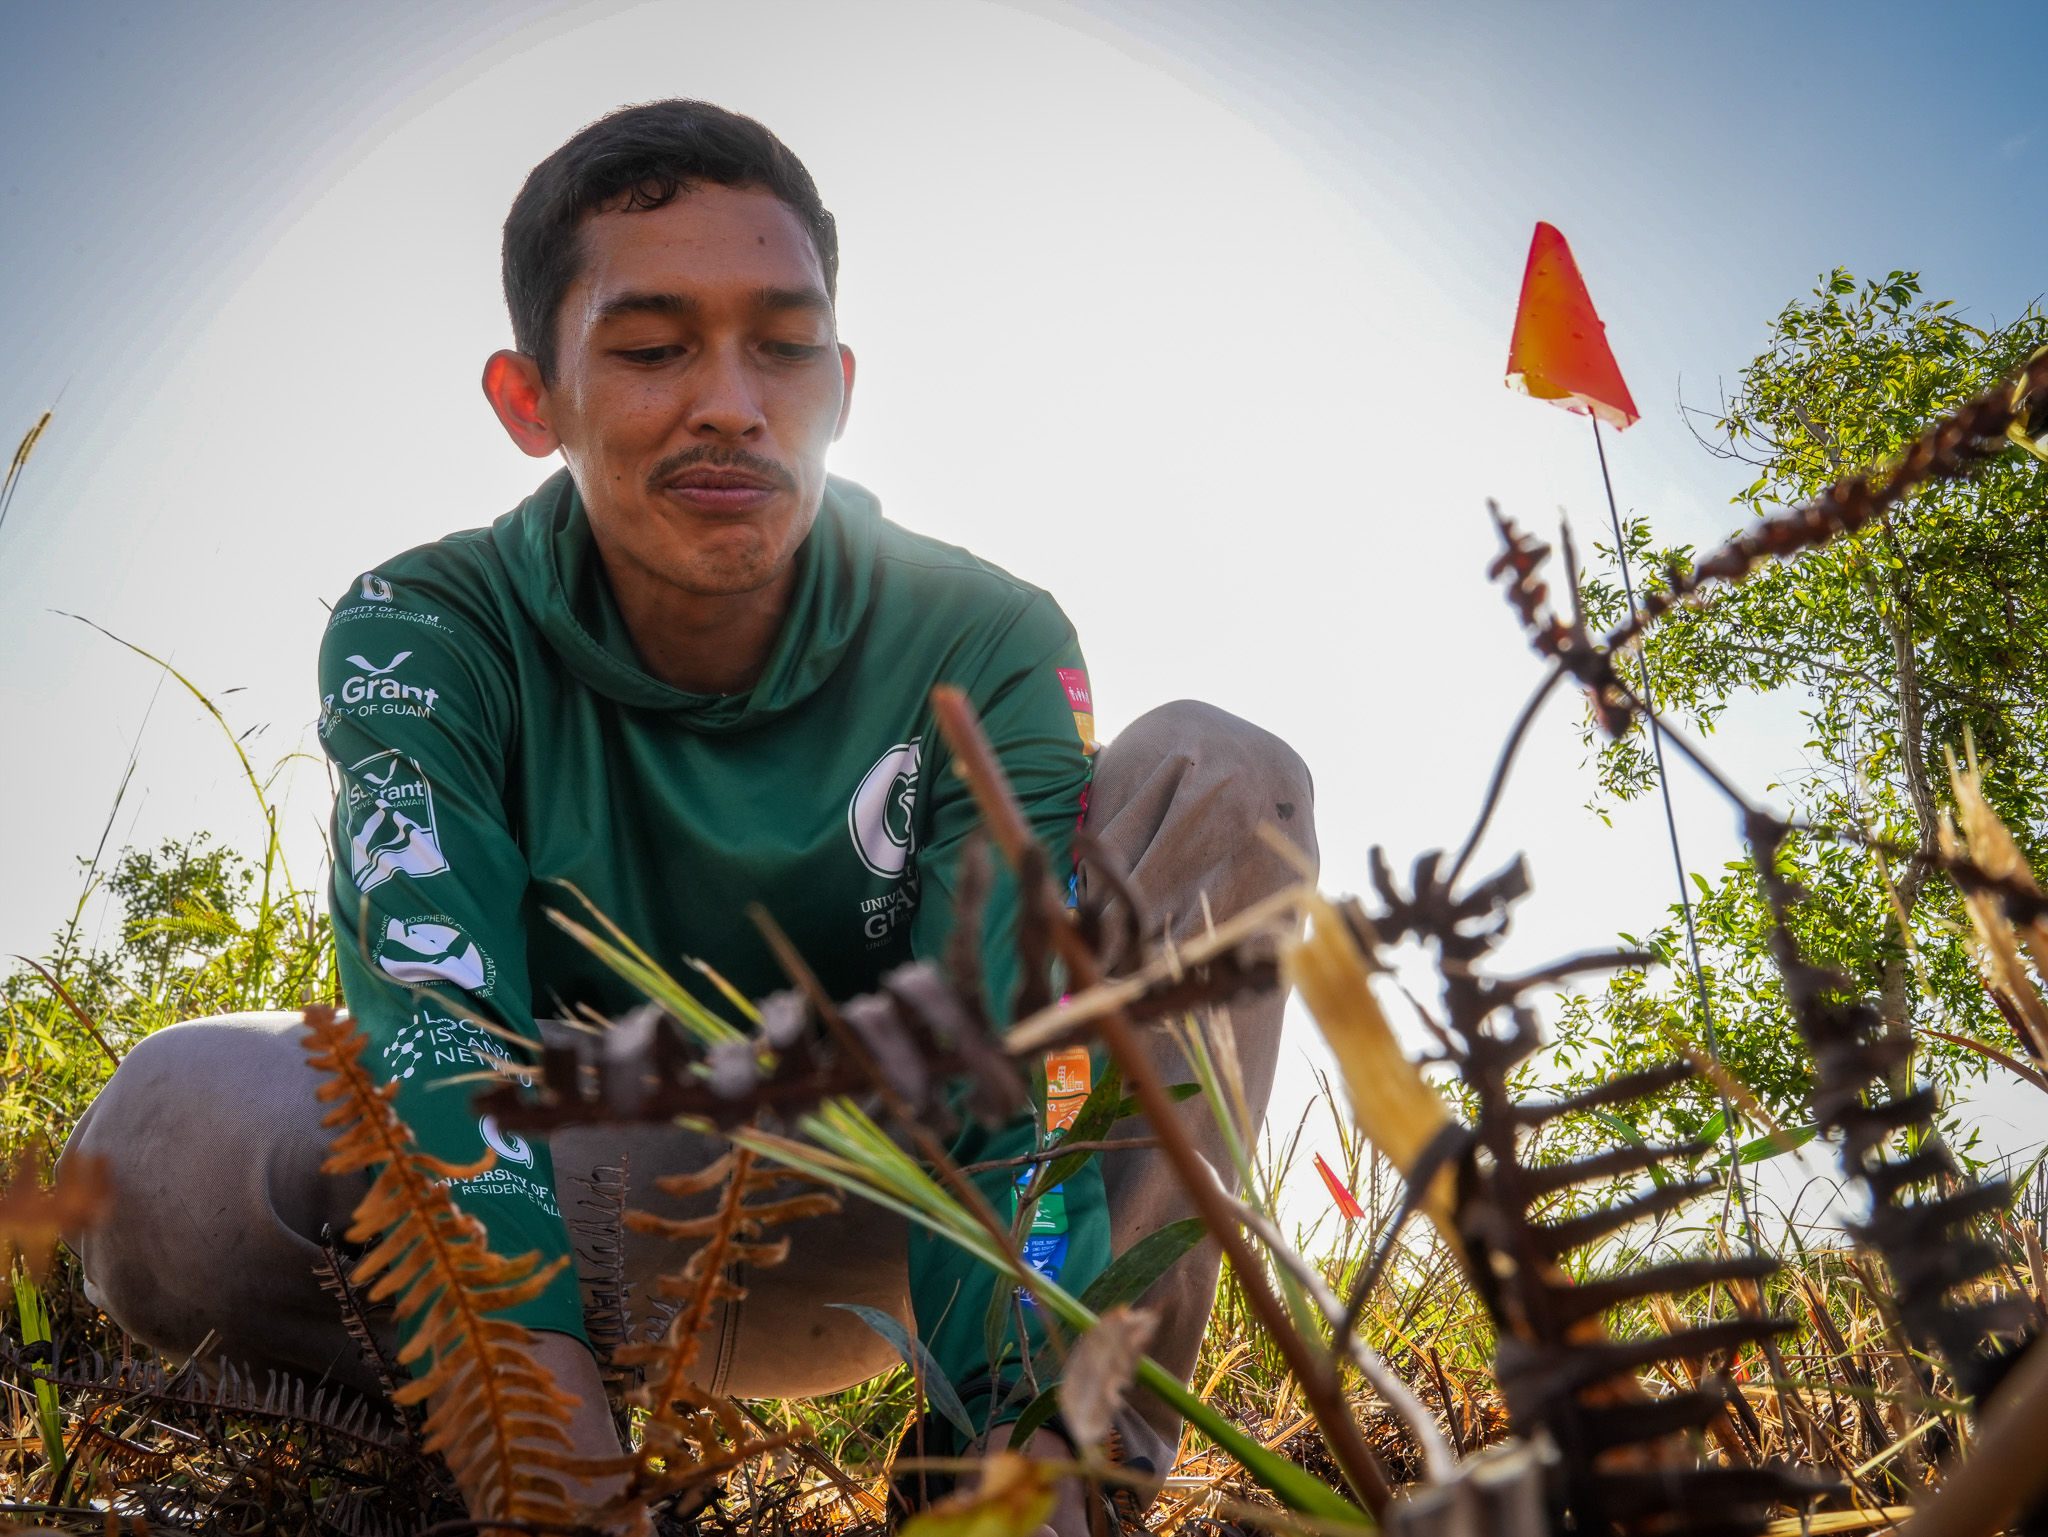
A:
[1068, 1079]
[1082, 703]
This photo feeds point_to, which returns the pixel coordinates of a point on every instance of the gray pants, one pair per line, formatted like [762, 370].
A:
[214, 1141]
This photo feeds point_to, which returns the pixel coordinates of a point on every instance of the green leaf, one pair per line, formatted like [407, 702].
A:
[1618, 1126]
[636, 966]
[1036, 1413]
[1131, 1274]
[937, 1389]
[35, 1329]
[1634, 1138]
[1094, 1118]
[995, 1325]
[1179, 1093]
[1767, 1146]
[1126, 1279]
[1091, 1124]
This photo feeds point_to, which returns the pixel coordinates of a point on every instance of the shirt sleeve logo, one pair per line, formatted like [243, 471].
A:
[434, 950]
[376, 691]
[387, 815]
[881, 814]
[1082, 703]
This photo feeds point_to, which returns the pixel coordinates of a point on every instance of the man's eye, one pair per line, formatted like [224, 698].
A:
[650, 355]
[792, 352]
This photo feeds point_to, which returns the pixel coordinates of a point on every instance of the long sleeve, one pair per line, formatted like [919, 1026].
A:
[418, 715]
[1036, 708]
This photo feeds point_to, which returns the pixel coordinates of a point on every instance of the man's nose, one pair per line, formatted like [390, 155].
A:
[726, 403]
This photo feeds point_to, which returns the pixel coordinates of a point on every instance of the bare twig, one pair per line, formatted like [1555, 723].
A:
[1060, 1150]
[1318, 1378]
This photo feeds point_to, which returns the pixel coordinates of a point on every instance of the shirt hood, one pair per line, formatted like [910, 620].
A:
[559, 580]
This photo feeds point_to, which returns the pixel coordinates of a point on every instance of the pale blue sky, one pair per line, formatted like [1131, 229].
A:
[1192, 312]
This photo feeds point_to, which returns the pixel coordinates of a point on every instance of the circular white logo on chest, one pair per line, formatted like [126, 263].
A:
[880, 814]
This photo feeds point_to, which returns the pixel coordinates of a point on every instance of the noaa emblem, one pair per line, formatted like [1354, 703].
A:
[434, 949]
[880, 815]
[387, 811]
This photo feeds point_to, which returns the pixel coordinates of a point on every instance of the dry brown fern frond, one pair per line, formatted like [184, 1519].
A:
[495, 1415]
[1992, 849]
[691, 1437]
[33, 1218]
[285, 1401]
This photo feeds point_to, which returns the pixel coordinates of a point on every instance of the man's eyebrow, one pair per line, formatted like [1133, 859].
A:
[646, 304]
[805, 298]
[663, 302]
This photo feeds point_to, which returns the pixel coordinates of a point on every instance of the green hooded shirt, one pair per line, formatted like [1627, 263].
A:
[501, 752]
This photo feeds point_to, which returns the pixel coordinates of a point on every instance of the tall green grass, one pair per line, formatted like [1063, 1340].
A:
[199, 928]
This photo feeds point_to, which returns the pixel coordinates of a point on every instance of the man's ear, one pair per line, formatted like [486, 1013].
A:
[846, 398]
[513, 386]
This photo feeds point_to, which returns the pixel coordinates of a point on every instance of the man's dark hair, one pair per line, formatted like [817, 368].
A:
[639, 158]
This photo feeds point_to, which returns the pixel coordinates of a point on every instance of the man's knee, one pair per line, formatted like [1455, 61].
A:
[1200, 732]
[1180, 797]
[212, 1140]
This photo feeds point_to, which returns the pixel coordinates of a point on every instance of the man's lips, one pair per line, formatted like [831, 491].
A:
[712, 489]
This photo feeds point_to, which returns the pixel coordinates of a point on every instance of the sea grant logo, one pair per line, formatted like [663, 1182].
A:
[375, 683]
[880, 815]
[372, 690]
[387, 814]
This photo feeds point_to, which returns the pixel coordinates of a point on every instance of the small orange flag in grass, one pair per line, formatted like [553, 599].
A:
[1347, 1203]
[1560, 351]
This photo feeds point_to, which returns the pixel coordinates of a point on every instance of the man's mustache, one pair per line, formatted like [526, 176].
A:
[716, 457]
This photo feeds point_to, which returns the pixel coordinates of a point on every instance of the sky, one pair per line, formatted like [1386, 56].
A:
[1194, 313]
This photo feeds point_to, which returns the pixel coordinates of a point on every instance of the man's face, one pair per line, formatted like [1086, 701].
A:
[699, 381]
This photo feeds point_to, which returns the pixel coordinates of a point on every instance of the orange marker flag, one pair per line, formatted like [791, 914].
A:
[1347, 1203]
[1560, 351]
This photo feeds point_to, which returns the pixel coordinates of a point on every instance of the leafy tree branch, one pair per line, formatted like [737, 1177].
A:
[1926, 634]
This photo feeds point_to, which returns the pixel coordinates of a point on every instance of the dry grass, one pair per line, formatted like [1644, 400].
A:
[1856, 1404]
[182, 1455]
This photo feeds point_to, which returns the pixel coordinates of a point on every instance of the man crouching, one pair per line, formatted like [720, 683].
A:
[691, 672]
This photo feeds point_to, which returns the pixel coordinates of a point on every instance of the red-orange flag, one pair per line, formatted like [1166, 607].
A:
[1560, 351]
[1347, 1203]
